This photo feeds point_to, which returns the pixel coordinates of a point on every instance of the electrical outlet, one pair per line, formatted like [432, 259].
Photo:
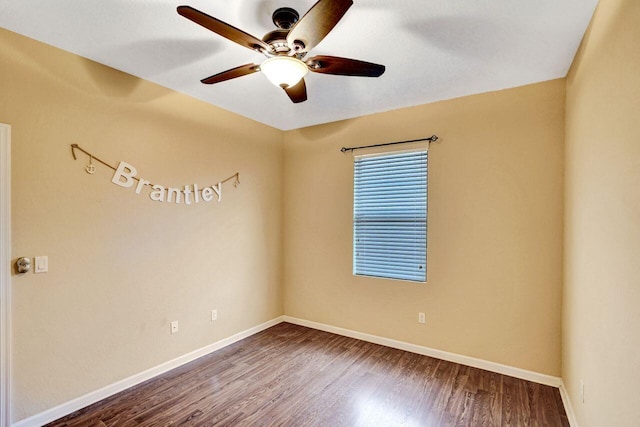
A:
[214, 315]
[421, 318]
[174, 327]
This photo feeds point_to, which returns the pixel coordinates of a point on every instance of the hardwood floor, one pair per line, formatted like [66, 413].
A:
[289, 375]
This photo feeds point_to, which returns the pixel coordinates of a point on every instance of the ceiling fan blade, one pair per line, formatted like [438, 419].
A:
[222, 28]
[240, 71]
[316, 24]
[344, 66]
[297, 93]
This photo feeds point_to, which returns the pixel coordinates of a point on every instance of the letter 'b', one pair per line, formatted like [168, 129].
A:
[124, 175]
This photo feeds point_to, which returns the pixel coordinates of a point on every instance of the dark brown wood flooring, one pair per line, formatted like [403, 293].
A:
[289, 375]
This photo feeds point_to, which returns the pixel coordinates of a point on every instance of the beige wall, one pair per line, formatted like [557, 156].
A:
[121, 266]
[601, 315]
[494, 237]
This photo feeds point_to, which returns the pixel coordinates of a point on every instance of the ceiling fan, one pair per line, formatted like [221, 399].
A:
[287, 47]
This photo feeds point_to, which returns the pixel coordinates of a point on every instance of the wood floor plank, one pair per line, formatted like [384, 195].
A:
[289, 375]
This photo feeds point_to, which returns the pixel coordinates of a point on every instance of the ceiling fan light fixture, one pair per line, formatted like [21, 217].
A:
[284, 71]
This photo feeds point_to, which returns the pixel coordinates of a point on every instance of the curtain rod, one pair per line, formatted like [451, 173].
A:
[432, 138]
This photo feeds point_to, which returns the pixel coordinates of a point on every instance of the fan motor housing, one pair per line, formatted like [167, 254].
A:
[284, 18]
[277, 39]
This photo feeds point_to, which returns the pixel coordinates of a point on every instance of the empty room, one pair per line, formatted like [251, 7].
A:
[320, 213]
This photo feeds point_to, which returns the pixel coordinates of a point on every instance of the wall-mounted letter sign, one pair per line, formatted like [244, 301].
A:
[125, 175]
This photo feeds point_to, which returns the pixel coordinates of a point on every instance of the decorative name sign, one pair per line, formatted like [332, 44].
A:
[125, 175]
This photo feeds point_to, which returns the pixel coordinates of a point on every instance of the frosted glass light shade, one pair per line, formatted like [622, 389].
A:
[284, 71]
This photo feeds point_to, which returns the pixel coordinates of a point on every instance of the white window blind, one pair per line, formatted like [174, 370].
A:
[390, 215]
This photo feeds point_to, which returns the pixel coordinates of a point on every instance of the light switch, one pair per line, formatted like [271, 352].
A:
[42, 264]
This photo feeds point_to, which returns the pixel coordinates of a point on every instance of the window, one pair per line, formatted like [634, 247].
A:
[390, 215]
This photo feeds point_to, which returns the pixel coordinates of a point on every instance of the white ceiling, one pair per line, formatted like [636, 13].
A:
[433, 50]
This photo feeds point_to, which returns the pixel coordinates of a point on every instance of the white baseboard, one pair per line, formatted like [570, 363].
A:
[95, 396]
[568, 408]
[438, 354]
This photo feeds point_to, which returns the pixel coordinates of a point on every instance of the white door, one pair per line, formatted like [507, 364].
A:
[5, 274]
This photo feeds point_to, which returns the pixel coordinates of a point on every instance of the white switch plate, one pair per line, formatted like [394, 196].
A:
[42, 264]
[421, 318]
[174, 327]
[214, 315]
